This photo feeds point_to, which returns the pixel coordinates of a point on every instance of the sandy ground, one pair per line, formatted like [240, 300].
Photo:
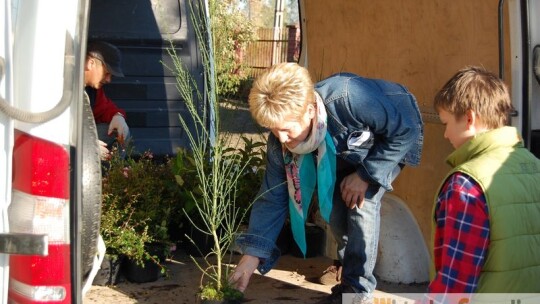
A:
[293, 280]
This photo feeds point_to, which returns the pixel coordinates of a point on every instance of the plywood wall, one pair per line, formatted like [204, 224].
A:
[419, 43]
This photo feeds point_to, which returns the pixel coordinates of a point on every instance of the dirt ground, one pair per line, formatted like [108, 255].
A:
[293, 280]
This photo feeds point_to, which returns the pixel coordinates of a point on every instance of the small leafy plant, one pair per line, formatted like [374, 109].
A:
[209, 292]
[212, 157]
[122, 235]
[139, 194]
[252, 153]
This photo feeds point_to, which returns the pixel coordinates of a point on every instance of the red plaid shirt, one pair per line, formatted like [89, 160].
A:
[461, 235]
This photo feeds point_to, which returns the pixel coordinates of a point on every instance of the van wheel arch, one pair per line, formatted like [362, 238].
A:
[91, 190]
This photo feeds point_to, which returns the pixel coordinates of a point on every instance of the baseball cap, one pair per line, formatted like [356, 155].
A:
[109, 54]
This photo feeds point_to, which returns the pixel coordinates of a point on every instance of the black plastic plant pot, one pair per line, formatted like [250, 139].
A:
[285, 239]
[202, 243]
[150, 271]
[136, 273]
[109, 272]
[315, 242]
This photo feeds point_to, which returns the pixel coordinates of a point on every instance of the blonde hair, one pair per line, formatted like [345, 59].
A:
[475, 88]
[282, 91]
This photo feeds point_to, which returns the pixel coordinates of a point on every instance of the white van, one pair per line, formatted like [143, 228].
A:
[50, 184]
[50, 176]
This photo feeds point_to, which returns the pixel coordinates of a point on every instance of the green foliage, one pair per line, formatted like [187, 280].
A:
[209, 292]
[218, 169]
[262, 12]
[139, 198]
[249, 154]
[253, 155]
[232, 31]
[148, 185]
[227, 293]
[185, 173]
[122, 235]
[243, 90]
[230, 293]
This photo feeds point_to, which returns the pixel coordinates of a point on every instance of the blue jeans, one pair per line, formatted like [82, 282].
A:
[356, 232]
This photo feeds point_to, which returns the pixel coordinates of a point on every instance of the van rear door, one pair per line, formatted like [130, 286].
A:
[50, 199]
[524, 74]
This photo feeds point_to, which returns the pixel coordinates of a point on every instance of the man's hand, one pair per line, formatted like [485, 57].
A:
[239, 279]
[103, 151]
[119, 124]
[353, 189]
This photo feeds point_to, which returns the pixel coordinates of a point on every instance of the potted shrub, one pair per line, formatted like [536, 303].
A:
[247, 153]
[122, 236]
[214, 214]
[252, 153]
[218, 167]
[194, 242]
[139, 196]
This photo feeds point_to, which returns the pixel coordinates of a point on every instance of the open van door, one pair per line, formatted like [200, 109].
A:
[524, 73]
[50, 183]
[421, 44]
[51, 179]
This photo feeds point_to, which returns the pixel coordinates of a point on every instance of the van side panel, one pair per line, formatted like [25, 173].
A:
[419, 43]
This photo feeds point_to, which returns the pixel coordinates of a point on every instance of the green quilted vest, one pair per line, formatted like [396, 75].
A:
[510, 178]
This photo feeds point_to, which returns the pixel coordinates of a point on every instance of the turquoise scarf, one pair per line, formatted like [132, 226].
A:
[303, 174]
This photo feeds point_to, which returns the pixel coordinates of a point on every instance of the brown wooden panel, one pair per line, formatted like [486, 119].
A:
[419, 43]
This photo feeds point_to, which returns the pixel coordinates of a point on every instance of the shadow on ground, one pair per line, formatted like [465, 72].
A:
[236, 118]
[293, 280]
[286, 283]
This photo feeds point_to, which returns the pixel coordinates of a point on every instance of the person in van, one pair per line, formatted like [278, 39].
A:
[346, 136]
[103, 60]
[485, 218]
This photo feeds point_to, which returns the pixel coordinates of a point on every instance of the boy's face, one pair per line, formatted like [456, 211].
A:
[457, 130]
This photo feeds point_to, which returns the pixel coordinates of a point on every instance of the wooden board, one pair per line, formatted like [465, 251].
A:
[419, 43]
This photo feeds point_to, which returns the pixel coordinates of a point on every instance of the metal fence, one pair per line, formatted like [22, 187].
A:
[270, 48]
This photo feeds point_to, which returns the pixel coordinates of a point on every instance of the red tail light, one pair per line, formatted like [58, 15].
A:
[40, 205]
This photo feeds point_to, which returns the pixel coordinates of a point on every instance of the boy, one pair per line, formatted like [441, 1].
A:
[486, 227]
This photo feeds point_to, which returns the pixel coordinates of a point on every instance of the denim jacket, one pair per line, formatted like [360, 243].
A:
[375, 125]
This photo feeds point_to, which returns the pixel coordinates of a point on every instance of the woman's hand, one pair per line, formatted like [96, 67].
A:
[239, 279]
[353, 189]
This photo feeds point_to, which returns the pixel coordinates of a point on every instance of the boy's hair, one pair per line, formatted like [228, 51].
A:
[282, 91]
[475, 88]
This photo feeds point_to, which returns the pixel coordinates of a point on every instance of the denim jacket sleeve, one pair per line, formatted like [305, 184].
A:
[269, 211]
[386, 109]
[391, 119]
